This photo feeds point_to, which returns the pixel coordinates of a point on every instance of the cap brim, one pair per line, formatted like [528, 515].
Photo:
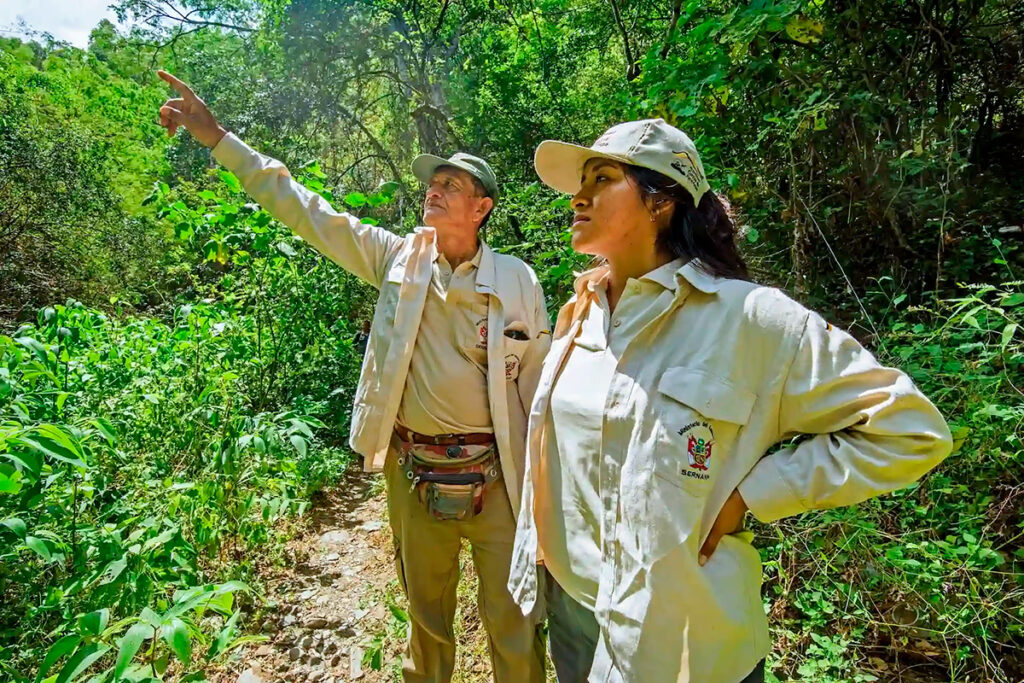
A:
[559, 165]
[424, 165]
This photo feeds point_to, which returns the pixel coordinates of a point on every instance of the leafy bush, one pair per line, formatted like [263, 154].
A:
[933, 575]
[145, 460]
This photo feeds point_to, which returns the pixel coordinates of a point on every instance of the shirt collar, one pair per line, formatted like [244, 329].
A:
[475, 261]
[668, 276]
[665, 275]
[696, 273]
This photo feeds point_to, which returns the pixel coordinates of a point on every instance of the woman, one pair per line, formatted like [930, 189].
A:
[669, 379]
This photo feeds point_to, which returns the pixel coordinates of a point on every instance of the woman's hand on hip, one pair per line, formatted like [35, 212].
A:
[729, 521]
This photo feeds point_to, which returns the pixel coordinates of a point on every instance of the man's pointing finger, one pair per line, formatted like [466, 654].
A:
[177, 84]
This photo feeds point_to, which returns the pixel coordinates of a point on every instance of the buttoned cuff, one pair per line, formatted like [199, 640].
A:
[233, 154]
[767, 495]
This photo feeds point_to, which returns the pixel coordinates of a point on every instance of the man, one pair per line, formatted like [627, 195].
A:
[452, 362]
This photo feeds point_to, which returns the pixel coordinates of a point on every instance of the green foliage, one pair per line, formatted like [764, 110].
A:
[74, 165]
[863, 128]
[154, 436]
[142, 458]
[936, 571]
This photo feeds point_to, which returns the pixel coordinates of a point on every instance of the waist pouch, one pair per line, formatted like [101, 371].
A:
[449, 480]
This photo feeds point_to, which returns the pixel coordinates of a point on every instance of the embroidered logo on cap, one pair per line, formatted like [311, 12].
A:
[689, 169]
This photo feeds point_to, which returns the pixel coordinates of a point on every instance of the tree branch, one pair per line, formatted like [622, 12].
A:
[632, 68]
[677, 8]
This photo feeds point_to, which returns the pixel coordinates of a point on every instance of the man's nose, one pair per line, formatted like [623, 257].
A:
[433, 192]
[579, 200]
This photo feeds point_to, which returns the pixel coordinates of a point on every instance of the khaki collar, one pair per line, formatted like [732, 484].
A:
[690, 272]
[486, 268]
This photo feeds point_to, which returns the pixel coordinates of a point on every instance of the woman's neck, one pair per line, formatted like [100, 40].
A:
[632, 264]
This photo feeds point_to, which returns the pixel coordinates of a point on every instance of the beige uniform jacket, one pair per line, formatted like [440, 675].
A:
[400, 267]
[699, 395]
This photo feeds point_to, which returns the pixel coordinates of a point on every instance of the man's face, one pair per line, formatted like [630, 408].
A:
[453, 201]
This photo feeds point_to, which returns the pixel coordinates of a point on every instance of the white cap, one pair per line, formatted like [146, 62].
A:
[651, 143]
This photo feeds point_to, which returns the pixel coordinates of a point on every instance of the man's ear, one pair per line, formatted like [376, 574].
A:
[487, 204]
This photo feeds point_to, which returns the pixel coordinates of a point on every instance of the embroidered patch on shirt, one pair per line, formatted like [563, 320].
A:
[511, 367]
[481, 333]
[700, 443]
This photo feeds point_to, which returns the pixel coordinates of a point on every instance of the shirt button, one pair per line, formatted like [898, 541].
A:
[617, 323]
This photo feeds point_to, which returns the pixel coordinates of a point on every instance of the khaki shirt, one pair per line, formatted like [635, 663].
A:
[726, 370]
[446, 388]
[401, 268]
[568, 505]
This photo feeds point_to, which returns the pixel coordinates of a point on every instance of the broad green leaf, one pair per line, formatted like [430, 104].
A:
[34, 346]
[11, 484]
[185, 601]
[355, 199]
[1008, 334]
[388, 189]
[37, 546]
[1015, 299]
[81, 661]
[299, 443]
[56, 651]
[94, 623]
[175, 634]
[160, 540]
[129, 645]
[148, 616]
[106, 429]
[221, 603]
[17, 526]
[231, 180]
[54, 442]
[398, 613]
[29, 462]
[113, 570]
[286, 249]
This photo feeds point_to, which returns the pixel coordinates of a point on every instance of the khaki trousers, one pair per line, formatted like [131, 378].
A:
[427, 560]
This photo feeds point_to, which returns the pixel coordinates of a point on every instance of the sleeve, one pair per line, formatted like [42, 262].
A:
[869, 430]
[533, 360]
[361, 249]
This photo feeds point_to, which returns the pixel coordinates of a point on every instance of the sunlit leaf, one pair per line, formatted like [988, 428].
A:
[175, 634]
[56, 651]
[95, 622]
[129, 645]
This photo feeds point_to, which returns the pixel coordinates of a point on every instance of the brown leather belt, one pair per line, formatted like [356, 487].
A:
[473, 439]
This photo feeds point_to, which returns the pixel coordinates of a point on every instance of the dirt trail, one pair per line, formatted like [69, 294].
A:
[337, 613]
[324, 610]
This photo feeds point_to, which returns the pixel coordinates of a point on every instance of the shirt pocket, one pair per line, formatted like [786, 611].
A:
[699, 417]
[514, 349]
[471, 335]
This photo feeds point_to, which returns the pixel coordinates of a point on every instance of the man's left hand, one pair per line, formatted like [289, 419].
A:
[729, 521]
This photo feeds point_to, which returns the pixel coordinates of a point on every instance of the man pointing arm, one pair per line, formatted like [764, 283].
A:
[455, 345]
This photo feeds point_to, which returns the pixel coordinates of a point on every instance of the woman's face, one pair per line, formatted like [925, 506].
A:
[611, 217]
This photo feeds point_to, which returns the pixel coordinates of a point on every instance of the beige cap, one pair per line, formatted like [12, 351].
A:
[651, 143]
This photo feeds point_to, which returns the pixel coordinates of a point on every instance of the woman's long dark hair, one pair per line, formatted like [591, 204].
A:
[704, 232]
